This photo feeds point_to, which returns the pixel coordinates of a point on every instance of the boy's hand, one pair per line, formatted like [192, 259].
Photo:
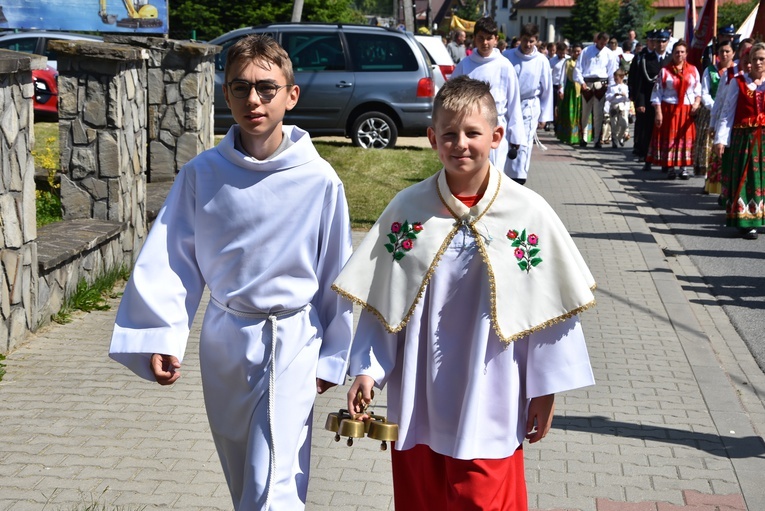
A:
[540, 417]
[364, 384]
[165, 368]
[323, 385]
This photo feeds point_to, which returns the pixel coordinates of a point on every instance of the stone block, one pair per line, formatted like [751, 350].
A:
[11, 223]
[109, 154]
[131, 80]
[83, 162]
[171, 121]
[94, 112]
[161, 161]
[9, 123]
[64, 145]
[152, 121]
[18, 327]
[193, 114]
[188, 146]
[5, 295]
[97, 188]
[100, 210]
[155, 87]
[29, 206]
[75, 202]
[115, 103]
[174, 74]
[79, 135]
[172, 93]
[189, 86]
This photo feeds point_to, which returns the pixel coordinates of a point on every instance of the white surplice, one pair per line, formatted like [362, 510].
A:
[500, 75]
[268, 238]
[535, 80]
[461, 330]
[452, 384]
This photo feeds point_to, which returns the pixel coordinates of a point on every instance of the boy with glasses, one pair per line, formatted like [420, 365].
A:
[262, 221]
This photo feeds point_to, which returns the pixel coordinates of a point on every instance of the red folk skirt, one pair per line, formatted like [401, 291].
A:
[425, 480]
[672, 143]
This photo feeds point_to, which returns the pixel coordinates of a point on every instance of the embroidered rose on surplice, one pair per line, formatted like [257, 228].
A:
[526, 249]
[401, 238]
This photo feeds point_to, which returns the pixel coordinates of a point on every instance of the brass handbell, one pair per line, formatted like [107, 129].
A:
[351, 428]
[382, 430]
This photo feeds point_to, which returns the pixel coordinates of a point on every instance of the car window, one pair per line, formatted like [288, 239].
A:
[431, 61]
[314, 51]
[381, 52]
[26, 45]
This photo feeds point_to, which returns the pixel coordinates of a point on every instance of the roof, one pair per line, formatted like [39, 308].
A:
[567, 4]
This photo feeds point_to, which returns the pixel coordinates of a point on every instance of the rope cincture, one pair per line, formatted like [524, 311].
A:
[271, 317]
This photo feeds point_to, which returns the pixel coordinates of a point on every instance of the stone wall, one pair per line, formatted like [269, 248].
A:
[102, 135]
[18, 230]
[181, 85]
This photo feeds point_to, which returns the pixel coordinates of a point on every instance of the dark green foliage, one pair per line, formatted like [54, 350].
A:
[584, 22]
[633, 15]
[468, 9]
[91, 297]
[48, 208]
[211, 18]
[731, 13]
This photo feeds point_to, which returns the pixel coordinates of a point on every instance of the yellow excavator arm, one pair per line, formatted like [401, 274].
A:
[140, 15]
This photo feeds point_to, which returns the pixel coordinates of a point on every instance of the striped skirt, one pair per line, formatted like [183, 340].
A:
[672, 143]
[702, 149]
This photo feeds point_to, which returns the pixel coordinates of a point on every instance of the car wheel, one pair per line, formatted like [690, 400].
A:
[374, 130]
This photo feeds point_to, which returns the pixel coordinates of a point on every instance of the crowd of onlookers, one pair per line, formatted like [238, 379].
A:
[703, 120]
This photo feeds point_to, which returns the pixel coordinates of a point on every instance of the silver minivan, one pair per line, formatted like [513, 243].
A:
[368, 83]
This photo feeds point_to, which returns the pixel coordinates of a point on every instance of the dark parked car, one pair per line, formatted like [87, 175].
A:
[371, 84]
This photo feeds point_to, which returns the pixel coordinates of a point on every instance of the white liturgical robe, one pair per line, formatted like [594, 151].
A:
[268, 238]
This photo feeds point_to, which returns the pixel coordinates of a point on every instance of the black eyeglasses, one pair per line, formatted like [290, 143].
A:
[266, 90]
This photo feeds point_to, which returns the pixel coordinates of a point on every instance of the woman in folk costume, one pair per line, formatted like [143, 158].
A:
[704, 161]
[740, 137]
[471, 288]
[676, 97]
[568, 129]
[740, 66]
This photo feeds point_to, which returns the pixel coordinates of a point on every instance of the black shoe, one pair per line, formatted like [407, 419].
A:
[548, 127]
[621, 143]
[671, 174]
[646, 167]
[684, 175]
[598, 145]
[721, 201]
[582, 143]
[749, 234]
[613, 144]
[664, 170]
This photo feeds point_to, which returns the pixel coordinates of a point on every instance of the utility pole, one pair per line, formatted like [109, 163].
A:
[297, 11]
[408, 17]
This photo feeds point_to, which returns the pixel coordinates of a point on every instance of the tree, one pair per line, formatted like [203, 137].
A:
[211, 18]
[633, 15]
[732, 13]
[584, 21]
[608, 15]
[468, 9]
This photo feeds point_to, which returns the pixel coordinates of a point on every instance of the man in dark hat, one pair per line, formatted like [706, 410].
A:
[726, 33]
[646, 74]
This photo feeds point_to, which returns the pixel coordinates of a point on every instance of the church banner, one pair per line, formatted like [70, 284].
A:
[705, 30]
[142, 16]
[460, 24]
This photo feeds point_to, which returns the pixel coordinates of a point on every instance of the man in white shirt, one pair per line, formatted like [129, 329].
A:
[594, 71]
[558, 69]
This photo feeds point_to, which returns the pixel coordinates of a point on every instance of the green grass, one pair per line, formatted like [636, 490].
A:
[91, 297]
[373, 176]
[2, 366]
[46, 155]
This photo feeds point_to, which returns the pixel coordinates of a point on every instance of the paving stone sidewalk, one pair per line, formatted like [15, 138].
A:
[671, 425]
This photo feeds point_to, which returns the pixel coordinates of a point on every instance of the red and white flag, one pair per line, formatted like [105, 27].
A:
[705, 31]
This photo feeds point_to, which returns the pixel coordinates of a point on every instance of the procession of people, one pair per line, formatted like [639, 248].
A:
[684, 119]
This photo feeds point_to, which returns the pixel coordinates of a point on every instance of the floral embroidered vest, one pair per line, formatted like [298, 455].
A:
[750, 111]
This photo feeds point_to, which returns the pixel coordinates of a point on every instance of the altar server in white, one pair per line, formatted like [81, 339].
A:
[470, 288]
[486, 63]
[262, 221]
[535, 80]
